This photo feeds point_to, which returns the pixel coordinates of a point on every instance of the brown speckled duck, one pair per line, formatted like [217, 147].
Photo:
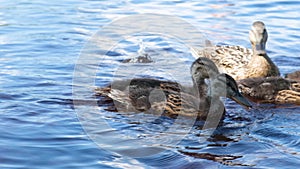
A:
[172, 99]
[276, 90]
[240, 62]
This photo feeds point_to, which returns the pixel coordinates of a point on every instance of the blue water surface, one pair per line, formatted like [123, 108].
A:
[40, 42]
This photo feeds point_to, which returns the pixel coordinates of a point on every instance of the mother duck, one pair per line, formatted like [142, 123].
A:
[240, 62]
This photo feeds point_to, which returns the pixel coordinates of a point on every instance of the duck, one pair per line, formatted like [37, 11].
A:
[171, 99]
[240, 62]
[274, 90]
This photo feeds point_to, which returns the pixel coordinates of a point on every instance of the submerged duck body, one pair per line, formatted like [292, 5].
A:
[172, 99]
[240, 62]
[276, 90]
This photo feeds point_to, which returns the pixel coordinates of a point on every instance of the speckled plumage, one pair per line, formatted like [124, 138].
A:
[294, 75]
[240, 62]
[276, 90]
[172, 99]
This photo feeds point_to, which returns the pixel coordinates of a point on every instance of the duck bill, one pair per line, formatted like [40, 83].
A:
[241, 100]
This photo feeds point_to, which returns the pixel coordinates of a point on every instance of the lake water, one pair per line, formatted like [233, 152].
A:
[49, 118]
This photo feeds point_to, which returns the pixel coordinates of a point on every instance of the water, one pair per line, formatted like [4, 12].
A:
[40, 42]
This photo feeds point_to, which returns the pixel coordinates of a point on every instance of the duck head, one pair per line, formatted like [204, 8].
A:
[203, 68]
[258, 36]
[225, 86]
[221, 85]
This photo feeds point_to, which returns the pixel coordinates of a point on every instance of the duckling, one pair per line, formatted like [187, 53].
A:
[240, 62]
[275, 90]
[170, 98]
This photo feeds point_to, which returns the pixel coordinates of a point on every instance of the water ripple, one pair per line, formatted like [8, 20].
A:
[40, 42]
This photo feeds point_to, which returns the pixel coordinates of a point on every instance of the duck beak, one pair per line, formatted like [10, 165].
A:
[240, 99]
